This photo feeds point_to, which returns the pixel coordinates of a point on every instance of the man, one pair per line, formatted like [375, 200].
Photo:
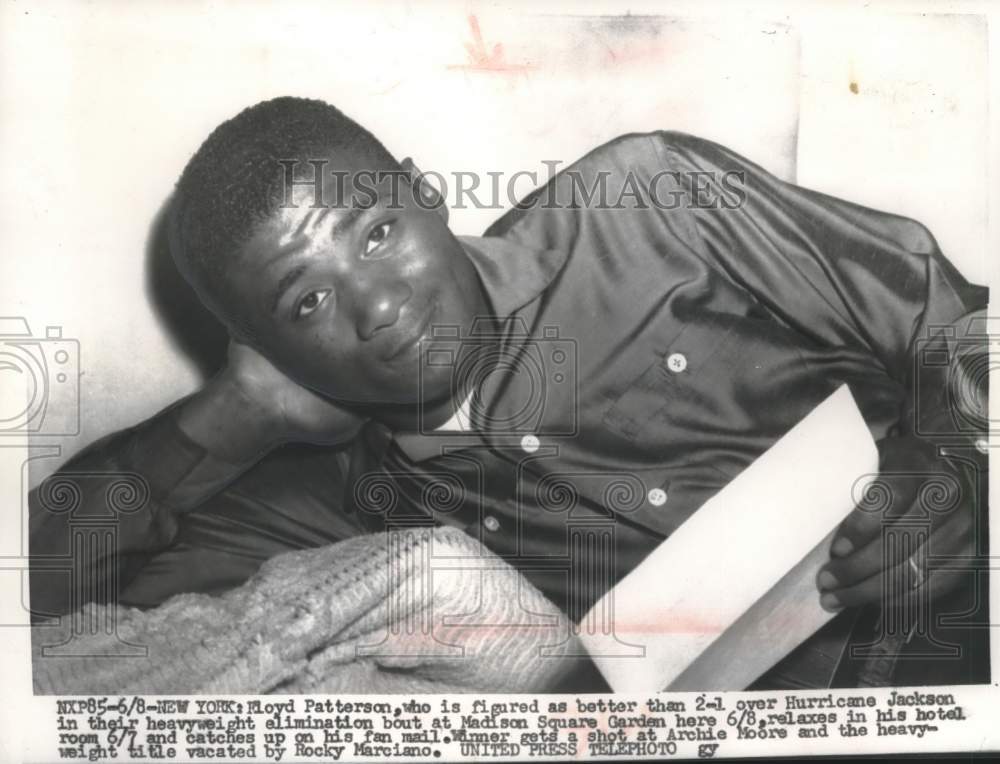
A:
[594, 357]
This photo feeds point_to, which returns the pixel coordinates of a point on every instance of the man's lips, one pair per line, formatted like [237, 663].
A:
[403, 341]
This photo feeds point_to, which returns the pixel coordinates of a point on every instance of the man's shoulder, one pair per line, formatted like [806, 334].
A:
[658, 146]
[641, 149]
[632, 156]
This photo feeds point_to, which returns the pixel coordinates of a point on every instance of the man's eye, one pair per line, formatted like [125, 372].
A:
[378, 235]
[310, 302]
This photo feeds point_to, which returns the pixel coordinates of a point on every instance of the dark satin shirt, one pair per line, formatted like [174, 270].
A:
[650, 348]
[654, 347]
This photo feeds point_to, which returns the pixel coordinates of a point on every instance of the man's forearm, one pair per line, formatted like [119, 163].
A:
[227, 424]
[174, 462]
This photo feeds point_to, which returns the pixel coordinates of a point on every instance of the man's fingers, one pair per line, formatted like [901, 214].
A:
[885, 499]
[877, 555]
[891, 587]
[855, 567]
[866, 565]
[893, 496]
[845, 584]
[857, 530]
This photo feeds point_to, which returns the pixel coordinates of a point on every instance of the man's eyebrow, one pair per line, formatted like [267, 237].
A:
[355, 211]
[308, 221]
[285, 283]
[288, 248]
[340, 227]
[347, 220]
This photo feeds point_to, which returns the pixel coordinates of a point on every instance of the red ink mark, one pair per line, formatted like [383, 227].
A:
[633, 53]
[673, 623]
[483, 60]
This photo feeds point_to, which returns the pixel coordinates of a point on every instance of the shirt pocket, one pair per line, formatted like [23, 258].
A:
[687, 372]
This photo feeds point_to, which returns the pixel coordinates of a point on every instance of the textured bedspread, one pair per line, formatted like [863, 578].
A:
[414, 611]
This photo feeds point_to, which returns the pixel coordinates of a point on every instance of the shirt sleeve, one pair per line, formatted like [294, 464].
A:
[837, 272]
[94, 522]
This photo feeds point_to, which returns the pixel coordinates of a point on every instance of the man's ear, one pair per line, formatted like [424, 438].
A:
[430, 196]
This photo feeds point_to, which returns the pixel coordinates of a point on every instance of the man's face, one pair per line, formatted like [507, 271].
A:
[341, 298]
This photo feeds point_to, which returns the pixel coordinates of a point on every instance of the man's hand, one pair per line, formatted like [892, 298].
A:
[915, 487]
[292, 413]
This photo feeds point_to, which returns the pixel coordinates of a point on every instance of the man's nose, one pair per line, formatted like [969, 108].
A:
[378, 306]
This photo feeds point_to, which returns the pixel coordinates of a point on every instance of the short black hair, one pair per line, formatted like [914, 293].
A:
[233, 182]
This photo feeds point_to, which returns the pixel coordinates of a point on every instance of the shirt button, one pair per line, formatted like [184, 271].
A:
[491, 524]
[530, 444]
[982, 446]
[677, 362]
[657, 497]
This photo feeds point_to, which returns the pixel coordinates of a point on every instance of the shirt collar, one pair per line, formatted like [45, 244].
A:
[512, 274]
[461, 420]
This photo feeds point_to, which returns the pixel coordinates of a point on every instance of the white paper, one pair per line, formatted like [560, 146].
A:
[737, 546]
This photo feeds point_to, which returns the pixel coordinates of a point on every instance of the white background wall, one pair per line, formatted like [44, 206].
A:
[895, 115]
[104, 102]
